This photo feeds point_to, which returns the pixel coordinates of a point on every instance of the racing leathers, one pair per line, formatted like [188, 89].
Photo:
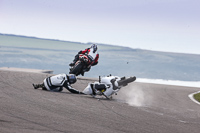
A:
[56, 83]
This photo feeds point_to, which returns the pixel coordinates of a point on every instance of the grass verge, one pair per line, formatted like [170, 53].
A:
[197, 97]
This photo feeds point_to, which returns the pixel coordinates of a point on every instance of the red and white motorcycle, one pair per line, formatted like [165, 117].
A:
[107, 86]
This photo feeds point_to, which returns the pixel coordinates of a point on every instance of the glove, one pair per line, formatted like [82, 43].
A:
[81, 93]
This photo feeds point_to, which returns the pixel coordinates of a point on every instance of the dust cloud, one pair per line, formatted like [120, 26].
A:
[134, 96]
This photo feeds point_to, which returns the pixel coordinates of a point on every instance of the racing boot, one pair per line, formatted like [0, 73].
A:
[36, 86]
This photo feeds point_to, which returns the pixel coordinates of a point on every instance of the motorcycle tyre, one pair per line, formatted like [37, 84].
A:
[76, 69]
[126, 81]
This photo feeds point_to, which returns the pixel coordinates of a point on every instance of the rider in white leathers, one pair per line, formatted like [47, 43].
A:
[57, 82]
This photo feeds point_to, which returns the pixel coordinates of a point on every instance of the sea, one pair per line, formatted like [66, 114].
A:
[44, 56]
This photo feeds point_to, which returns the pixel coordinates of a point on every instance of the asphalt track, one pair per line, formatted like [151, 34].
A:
[159, 108]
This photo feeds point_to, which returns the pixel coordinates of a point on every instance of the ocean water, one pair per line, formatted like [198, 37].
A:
[58, 60]
[35, 53]
[147, 66]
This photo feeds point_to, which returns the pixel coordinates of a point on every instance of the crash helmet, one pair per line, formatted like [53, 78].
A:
[71, 78]
[94, 47]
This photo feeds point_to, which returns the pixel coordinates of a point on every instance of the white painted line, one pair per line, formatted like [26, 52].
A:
[191, 96]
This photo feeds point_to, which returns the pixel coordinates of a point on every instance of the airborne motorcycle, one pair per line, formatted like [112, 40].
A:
[82, 65]
[107, 86]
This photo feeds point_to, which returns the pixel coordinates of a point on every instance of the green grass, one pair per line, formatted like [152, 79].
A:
[197, 97]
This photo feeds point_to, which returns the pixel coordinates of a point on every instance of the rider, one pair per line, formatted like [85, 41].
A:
[97, 87]
[57, 82]
[92, 54]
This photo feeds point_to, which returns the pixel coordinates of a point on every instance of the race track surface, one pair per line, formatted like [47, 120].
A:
[149, 108]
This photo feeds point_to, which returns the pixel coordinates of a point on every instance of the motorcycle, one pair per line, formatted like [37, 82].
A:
[107, 86]
[81, 66]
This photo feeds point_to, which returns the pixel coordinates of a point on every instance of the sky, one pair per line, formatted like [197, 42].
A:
[160, 25]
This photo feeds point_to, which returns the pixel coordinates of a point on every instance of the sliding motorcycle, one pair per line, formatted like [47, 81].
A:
[107, 86]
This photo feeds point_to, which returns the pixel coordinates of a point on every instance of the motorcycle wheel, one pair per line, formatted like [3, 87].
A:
[76, 69]
[125, 82]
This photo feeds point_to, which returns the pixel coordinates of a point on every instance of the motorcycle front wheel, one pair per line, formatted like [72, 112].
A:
[125, 82]
[76, 69]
